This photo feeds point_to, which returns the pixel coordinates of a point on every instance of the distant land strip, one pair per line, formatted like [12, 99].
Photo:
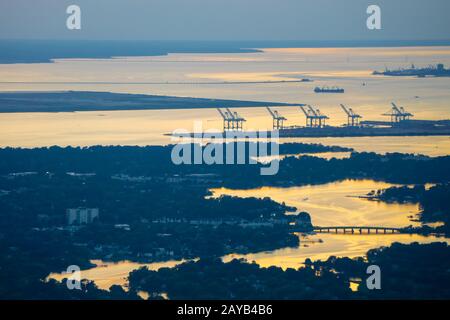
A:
[71, 101]
[156, 83]
[46, 51]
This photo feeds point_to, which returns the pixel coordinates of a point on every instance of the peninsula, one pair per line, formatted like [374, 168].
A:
[71, 101]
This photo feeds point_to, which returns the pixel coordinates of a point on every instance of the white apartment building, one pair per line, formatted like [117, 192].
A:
[78, 216]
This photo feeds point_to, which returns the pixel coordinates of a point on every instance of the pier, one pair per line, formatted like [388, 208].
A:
[359, 229]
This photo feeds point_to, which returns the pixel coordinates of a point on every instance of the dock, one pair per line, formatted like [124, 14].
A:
[400, 123]
[431, 129]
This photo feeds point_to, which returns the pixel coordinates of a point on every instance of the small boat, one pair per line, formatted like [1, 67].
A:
[328, 90]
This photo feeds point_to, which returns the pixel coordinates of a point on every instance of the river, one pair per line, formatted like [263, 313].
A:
[105, 274]
[331, 204]
[334, 204]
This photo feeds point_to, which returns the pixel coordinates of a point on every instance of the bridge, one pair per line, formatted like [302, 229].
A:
[359, 229]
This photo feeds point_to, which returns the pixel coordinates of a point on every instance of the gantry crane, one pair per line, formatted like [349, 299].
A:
[227, 119]
[277, 119]
[352, 117]
[237, 121]
[404, 115]
[319, 118]
[309, 116]
[398, 114]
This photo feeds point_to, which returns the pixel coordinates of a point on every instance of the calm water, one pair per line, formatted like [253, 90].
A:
[334, 204]
[106, 274]
[337, 203]
[328, 204]
[322, 246]
[148, 127]
[346, 67]
[349, 68]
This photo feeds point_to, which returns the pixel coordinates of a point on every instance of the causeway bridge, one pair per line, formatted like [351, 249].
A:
[359, 229]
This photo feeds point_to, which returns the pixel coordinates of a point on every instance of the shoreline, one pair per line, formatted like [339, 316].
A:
[79, 101]
[47, 51]
[336, 132]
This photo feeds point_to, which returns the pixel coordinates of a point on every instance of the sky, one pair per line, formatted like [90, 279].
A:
[225, 19]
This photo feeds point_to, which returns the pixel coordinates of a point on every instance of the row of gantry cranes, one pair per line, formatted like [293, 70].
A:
[314, 117]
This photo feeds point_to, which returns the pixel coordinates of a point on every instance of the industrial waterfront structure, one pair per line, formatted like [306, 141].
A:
[352, 117]
[399, 123]
[277, 119]
[398, 114]
[438, 70]
[231, 120]
[314, 118]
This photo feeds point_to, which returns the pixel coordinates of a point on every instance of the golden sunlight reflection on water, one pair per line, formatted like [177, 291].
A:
[106, 274]
[347, 67]
[322, 246]
[328, 204]
[147, 127]
[336, 203]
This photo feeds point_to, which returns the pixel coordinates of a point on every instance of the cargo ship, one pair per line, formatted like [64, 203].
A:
[328, 90]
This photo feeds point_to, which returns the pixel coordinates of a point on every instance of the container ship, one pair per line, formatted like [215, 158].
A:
[328, 90]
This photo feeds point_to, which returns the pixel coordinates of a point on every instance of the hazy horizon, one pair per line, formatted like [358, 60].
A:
[220, 20]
